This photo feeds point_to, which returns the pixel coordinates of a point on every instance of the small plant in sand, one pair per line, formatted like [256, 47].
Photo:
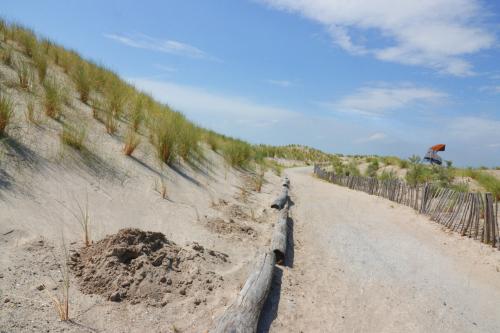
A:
[161, 188]
[259, 180]
[6, 112]
[73, 137]
[31, 115]
[137, 114]
[53, 99]
[132, 140]
[110, 123]
[61, 300]
[24, 75]
[83, 218]
[83, 83]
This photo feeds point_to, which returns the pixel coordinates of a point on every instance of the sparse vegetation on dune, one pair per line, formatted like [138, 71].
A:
[6, 112]
[132, 140]
[73, 136]
[53, 99]
[489, 182]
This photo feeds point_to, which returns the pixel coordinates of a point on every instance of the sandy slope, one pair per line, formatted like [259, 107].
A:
[365, 264]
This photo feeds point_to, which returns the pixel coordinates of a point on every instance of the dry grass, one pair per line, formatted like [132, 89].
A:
[259, 180]
[111, 123]
[161, 188]
[31, 115]
[41, 64]
[53, 99]
[83, 218]
[6, 113]
[25, 75]
[73, 137]
[8, 57]
[83, 83]
[132, 140]
[61, 301]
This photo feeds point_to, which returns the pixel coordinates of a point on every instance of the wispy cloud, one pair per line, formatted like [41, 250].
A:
[436, 34]
[380, 100]
[212, 107]
[165, 68]
[143, 41]
[374, 137]
[280, 83]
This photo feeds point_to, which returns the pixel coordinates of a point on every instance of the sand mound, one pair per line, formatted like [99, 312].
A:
[141, 266]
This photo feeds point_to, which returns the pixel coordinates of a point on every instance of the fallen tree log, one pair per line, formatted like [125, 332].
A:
[279, 240]
[281, 201]
[243, 315]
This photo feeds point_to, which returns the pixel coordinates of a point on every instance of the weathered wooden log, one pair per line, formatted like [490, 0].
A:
[286, 182]
[279, 240]
[281, 201]
[242, 316]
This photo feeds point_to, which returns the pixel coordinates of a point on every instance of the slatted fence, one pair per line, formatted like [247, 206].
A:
[471, 214]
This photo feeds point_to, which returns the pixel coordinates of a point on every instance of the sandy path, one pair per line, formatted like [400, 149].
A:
[365, 264]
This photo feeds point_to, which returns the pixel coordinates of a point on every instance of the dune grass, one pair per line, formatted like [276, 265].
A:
[53, 99]
[73, 136]
[31, 115]
[83, 82]
[24, 74]
[6, 113]
[41, 65]
[132, 140]
[486, 180]
[8, 57]
[237, 153]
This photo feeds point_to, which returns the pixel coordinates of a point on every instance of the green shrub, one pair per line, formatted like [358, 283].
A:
[6, 113]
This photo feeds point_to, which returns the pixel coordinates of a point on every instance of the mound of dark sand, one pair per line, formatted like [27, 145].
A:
[142, 266]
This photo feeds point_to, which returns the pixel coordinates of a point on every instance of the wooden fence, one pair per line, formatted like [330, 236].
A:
[471, 214]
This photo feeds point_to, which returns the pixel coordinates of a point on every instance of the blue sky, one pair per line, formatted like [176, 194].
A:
[357, 77]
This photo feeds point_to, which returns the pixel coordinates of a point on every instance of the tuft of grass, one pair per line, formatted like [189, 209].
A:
[83, 83]
[6, 113]
[161, 188]
[73, 137]
[132, 140]
[24, 75]
[137, 114]
[53, 99]
[41, 64]
[8, 57]
[486, 180]
[237, 153]
[115, 98]
[259, 180]
[29, 43]
[30, 114]
[61, 301]
[110, 123]
[83, 218]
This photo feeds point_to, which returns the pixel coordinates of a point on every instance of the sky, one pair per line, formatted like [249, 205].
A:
[384, 77]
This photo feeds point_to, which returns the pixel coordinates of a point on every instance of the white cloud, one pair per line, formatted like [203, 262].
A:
[431, 33]
[280, 83]
[142, 41]
[380, 100]
[213, 108]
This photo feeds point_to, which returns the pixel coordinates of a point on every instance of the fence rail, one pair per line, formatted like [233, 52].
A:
[471, 214]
